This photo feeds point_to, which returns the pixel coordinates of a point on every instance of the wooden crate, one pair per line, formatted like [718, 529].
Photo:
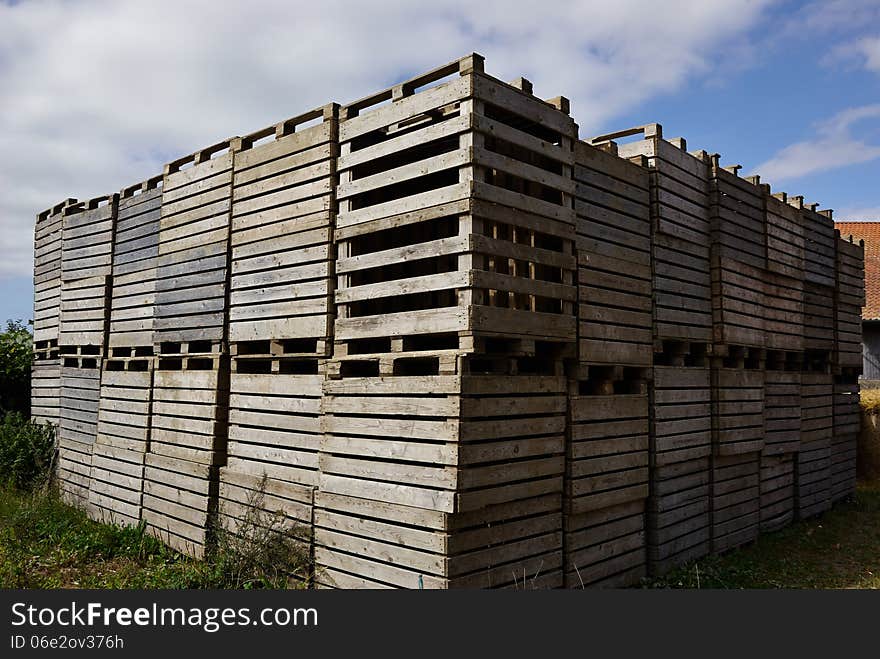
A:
[848, 302]
[813, 474]
[737, 409]
[606, 484]
[179, 502]
[847, 425]
[784, 278]
[783, 312]
[606, 547]
[736, 500]
[612, 201]
[282, 233]
[77, 426]
[87, 244]
[47, 274]
[193, 260]
[678, 514]
[117, 473]
[737, 216]
[818, 317]
[820, 243]
[777, 491]
[455, 219]
[681, 233]
[681, 414]
[363, 543]
[135, 255]
[84, 311]
[188, 427]
[249, 503]
[274, 421]
[782, 408]
[46, 389]
[681, 445]
[468, 453]
[739, 305]
[607, 462]
[785, 240]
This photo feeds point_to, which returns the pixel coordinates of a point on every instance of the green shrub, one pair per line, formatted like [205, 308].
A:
[16, 357]
[26, 450]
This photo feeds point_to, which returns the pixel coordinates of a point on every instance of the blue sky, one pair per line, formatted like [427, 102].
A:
[96, 95]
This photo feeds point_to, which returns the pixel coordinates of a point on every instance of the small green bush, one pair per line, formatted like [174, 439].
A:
[16, 357]
[26, 450]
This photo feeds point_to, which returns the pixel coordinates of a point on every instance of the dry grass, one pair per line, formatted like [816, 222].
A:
[870, 399]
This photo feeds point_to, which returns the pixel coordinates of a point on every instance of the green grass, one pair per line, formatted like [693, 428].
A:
[45, 543]
[839, 549]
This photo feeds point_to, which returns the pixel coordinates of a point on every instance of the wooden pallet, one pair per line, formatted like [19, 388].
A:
[282, 231]
[615, 312]
[77, 430]
[135, 255]
[607, 461]
[777, 491]
[848, 302]
[736, 500]
[455, 212]
[122, 441]
[782, 411]
[681, 232]
[813, 469]
[193, 260]
[847, 425]
[47, 272]
[46, 390]
[737, 410]
[606, 547]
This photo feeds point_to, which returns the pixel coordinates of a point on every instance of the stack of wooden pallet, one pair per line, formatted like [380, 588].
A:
[188, 422]
[607, 463]
[848, 302]
[678, 507]
[782, 436]
[741, 326]
[127, 374]
[46, 371]
[445, 344]
[86, 265]
[456, 259]
[681, 448]
[281, 316]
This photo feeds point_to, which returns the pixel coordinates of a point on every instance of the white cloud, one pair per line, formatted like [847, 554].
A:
[858, 214]
[833, 147]
[97, 95]
[863, 52]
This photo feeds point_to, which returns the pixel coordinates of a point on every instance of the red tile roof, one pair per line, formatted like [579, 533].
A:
[870, 233]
